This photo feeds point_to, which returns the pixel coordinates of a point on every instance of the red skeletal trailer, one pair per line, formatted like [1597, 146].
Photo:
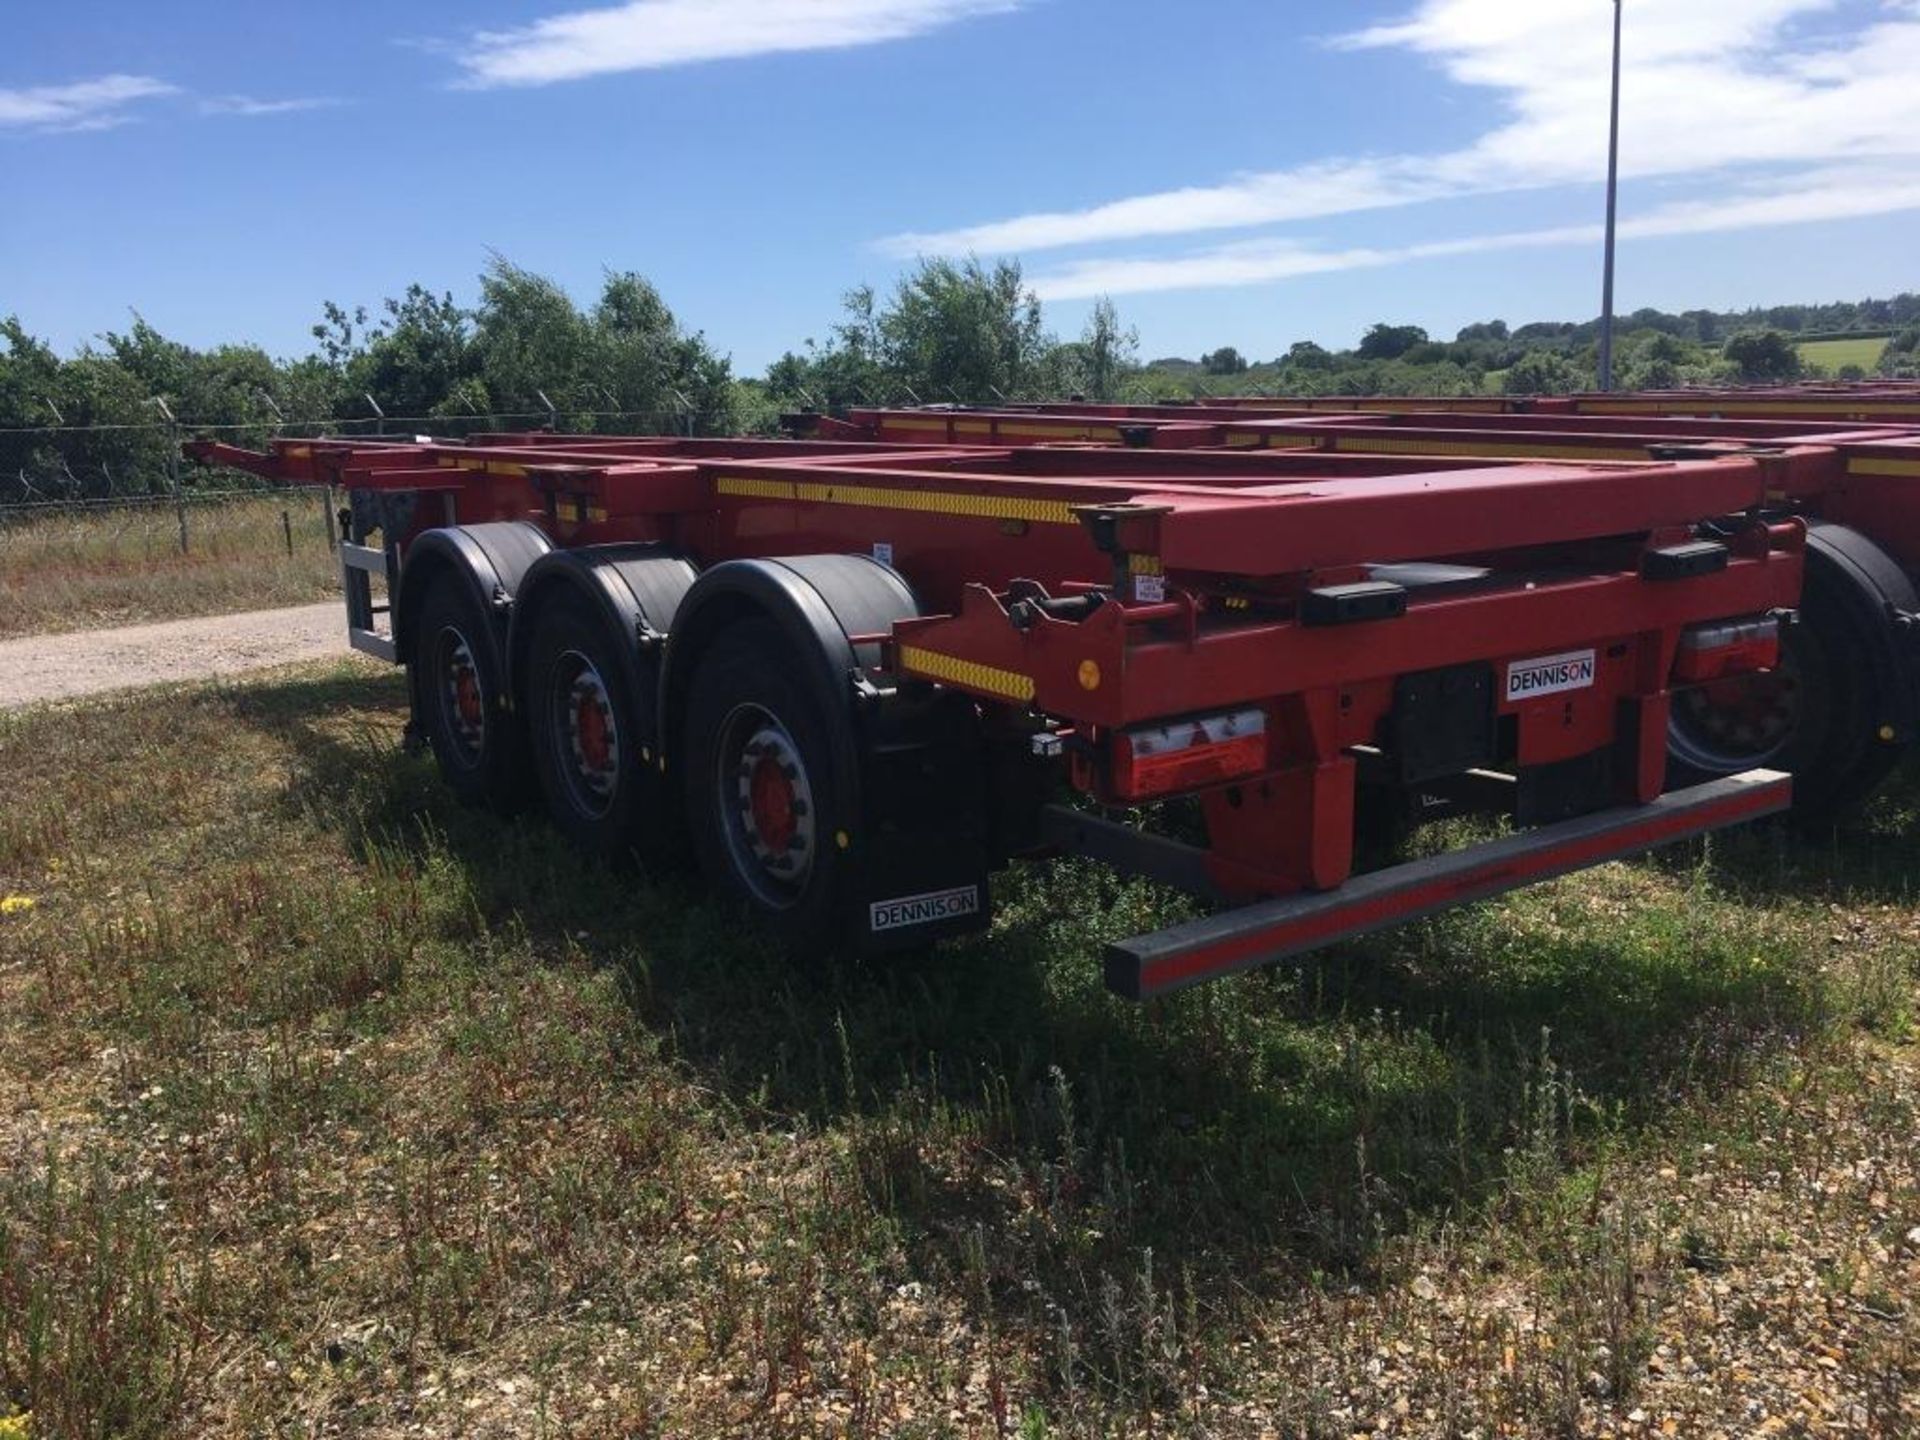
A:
[856, 672]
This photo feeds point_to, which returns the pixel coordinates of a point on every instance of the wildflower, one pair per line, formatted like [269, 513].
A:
[13, 905]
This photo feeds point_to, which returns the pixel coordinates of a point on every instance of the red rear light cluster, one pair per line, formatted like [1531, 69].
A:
[1727, 647]
[1185, 755]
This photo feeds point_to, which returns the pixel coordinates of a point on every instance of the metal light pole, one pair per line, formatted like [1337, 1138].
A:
[1613, 196]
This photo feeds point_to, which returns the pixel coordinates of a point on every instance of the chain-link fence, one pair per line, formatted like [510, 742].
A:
[62, 463]
[107, 523]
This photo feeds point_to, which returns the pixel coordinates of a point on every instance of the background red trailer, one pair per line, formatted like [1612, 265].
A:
[1844, 705]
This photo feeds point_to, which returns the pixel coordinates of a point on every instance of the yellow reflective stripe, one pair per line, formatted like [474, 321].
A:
[1059, 432]
[1145, 565]
[1362, 445]
[1861, 410]
[1008, 684]
[488, 467]
[873, 497]
[755, 489]
[1025, 429]
[1867, 466]
[1244, 439]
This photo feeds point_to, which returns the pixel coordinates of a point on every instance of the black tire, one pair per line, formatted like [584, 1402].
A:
[1833, 693]
[590, 716]
[751, 719]
[460, 696]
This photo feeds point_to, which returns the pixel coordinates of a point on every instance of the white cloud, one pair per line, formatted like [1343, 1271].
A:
[98, 104]
[1709, 85]
[248, 105]
[1840, 194]
[656, 34]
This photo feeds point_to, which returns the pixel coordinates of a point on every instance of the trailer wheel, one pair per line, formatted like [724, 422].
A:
[760, 779]
[1823, 713]
[461, 698]
[602, 785]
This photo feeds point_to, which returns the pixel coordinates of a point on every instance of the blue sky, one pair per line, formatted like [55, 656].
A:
[1244, 172]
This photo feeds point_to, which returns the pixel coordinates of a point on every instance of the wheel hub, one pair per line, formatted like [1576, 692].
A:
[1743, 720]
[772, 804]
[769, 805]
[463, 701]
[587, 733]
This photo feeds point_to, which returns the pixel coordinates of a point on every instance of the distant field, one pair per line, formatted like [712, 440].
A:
[1832, 355]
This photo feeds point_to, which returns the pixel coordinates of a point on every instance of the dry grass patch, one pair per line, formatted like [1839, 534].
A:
[78, 569]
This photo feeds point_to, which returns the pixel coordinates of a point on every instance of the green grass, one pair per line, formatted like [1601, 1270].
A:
[1832, 355]
[79, 569]
[334, 1107]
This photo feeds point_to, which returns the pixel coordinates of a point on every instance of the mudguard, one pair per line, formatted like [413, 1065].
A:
[636, 589]
[822, 603]
[490, 560]
[909, 766]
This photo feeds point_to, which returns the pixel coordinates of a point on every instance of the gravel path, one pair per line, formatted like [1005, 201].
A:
[58, 667]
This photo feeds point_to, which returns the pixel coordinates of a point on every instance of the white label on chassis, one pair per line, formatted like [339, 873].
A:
[1550, 674]
[925, 909]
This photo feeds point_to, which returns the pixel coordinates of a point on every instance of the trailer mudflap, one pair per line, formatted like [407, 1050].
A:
[1271, 930]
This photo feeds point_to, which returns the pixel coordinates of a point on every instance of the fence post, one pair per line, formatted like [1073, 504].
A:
[326, 517]
[173, 468]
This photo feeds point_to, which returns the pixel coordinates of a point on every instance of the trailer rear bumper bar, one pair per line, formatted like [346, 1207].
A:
[1262, 933]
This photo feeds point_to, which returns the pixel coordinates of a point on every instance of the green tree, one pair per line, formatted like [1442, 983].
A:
[649, 367]
[29, 378]
[38, 390]
[1762, 355]
[1224, 361]
[1543, 372]
[1108, 352]
[420, 359]
[627, 364]
[1390, 342]
[1305, 355]
[848, 370]
[532, 340]
[963, 330]
[1901, 358]
[1658, 360]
